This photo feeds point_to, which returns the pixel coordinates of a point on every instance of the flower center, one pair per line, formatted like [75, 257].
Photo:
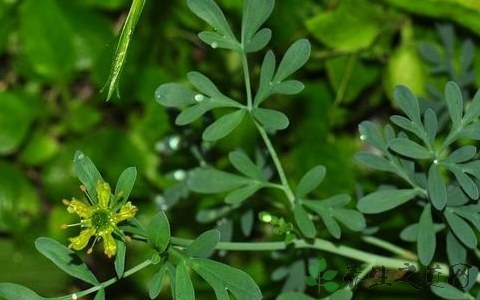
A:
[101, 220]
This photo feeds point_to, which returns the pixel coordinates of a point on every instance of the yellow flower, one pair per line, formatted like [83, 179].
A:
[99, 220]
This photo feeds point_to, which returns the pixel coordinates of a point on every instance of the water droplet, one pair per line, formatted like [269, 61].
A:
[174, 142]
[214, 45]
[74, 296]
[435, 161]
[179, 175]
[363, 137]
[81, 156]
[199, 97]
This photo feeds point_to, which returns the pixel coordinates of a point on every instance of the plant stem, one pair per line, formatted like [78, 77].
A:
[109, 282]
[278, 165]
[324, 245]
[390, 247]
[246, 76]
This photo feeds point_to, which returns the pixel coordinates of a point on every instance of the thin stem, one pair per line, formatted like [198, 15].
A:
[390, 247]
[109, 282]
[319, 244]
[278, 165]
[246, 76]
[345, 79]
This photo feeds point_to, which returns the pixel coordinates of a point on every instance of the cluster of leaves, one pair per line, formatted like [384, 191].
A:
[442, 173]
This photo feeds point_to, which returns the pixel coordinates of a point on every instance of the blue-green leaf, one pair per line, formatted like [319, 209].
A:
[241, 194]
[456, 252]
[216, 40]
[266, 76]
[215, 181]
[409, 148]
[204, 244]
[157, 283]
[158, 232]
[183, 284]
[209, 11]
[453, 97]
[310, 181]
[259, 41]
[408, 103]
[222, 278]
[431, 125]
[223, 126]
[255, 13]
[447, 291]
[426, 241]
[65, 259]
[462, 154]
[271, 119]
[204, 85]
[304, 223]
[295, 57]
[12, 291]
[192, 113]
[473, 110]
[174, 95]
[461, 229]
[245, 165]
[385, 200]
[374, 161]
[437, 189]
[288, 87]
[370, 134]
[353, 219]
[467, 183]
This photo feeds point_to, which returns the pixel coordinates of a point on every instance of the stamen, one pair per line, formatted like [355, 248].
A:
[90, 250]
[66, 202]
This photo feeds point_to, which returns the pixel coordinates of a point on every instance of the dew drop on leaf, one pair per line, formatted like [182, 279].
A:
[363, 137]
[200, 97]
[74, 296]
[214, 45]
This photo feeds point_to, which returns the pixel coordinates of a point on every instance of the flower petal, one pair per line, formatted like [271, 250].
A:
[80, 208]
[109, 244]
[126, 212]
[79, 242]
[103, 193]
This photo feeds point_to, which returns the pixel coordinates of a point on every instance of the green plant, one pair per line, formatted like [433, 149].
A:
[438, 168]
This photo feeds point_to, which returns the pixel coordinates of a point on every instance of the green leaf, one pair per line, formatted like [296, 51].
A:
[331, 286]
[214, 181]
[473, 109]
[12, 291]
[123, 44]
[216, 40]
[271, 119]
[446, 291]
[410, 233]
[461, 229]
[408, 125]
[426, 240]
[65, 259]
[209, 11]
[470, 132]
[321, 265]
[313, 271]
[174, 95]
[467, 183]
[222, 278]
[204, 244]
[16, 118]
[311, 281]
[245, 165]
[259, 41]
[342, 294]
[384, 200]
[437, 189]
[462, 154]
[157, 283]
[304, 223]
[453, 97]
[120, 258]
[353, 219]
[409, 148]
[247, 221]
[100, 295]
[297, 295]
[255, 13]
[310, 181]
[374, 161]
[44, 20]
[408, 103]
[223, 126]
[183, 284]
[158, 232]
[295, 57]
[239, 195]
[125, 184]
[87, 173]
[358, 30]
[329, 275]
[324, 211]
[40, 149]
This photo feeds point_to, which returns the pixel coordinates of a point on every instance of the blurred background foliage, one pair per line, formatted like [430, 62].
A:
[55, 56]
